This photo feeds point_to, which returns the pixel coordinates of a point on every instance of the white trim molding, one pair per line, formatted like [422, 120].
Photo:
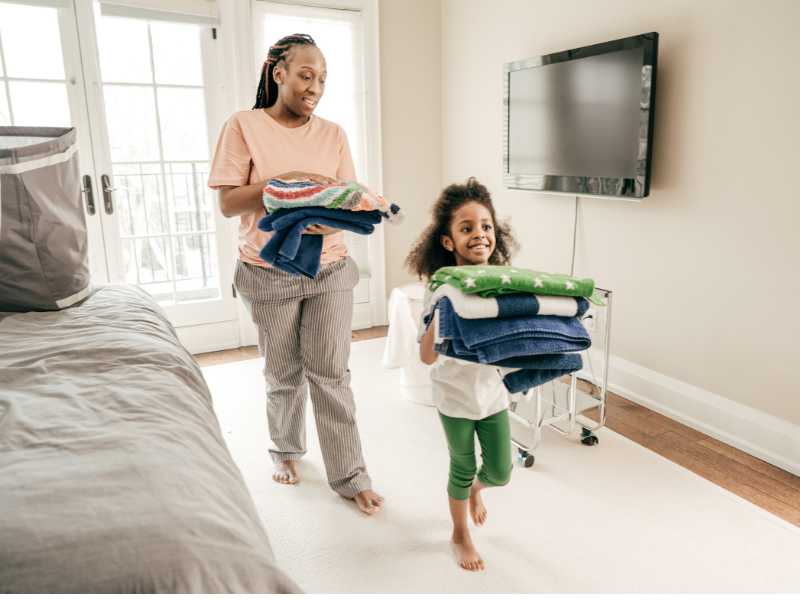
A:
[203, 12]
[347, 5]
[211, 337]
[755, 432]
[372, 106]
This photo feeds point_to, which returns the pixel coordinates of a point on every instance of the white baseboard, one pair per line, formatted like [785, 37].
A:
[757, 433]
[362, 316]
[210, 337]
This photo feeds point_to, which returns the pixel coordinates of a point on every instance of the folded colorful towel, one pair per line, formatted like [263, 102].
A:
[345, 195]
[290, 250]
[491, 340]
[495, 280]
[474, 306]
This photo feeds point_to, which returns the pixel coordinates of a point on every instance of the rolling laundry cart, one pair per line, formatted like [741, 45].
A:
[561, 404]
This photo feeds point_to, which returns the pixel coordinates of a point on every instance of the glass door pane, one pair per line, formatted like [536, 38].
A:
[33, 86]
[153, 90]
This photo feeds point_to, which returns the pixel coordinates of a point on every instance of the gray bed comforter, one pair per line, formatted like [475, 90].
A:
[114, 476]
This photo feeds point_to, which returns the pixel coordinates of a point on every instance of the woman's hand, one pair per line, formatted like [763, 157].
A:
[315, 177]
[240, 200]
[321, 230]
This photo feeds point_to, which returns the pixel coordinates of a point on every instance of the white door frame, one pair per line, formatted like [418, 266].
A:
[79, 109]
[372, 105]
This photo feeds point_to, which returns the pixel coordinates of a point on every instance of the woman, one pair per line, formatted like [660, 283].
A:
[303, 324]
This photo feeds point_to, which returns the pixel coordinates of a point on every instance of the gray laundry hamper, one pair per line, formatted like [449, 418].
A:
[43, 240]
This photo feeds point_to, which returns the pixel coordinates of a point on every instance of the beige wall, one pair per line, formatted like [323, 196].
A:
[411, 116]
[704, 270]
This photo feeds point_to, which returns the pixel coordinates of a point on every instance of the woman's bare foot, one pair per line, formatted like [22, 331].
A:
[368, 501]
[477, 509]
[466, 554]
[286, 472]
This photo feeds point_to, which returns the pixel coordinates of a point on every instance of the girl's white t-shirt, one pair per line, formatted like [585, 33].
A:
[467, 390]
[462, 389]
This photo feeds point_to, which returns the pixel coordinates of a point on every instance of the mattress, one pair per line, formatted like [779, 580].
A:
[114, 476]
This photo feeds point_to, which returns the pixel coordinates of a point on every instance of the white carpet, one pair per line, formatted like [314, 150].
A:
[610, 518]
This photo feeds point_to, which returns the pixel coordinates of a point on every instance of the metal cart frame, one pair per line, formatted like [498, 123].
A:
[563, 417]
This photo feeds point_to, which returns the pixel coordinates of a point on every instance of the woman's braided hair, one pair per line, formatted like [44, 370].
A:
[267, 93]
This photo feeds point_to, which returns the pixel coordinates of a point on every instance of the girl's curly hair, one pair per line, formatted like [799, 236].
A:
[428, 254]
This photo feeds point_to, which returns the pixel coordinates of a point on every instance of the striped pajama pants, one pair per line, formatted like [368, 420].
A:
[304, 330]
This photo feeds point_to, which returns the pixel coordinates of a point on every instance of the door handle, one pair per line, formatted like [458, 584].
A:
[108, 199]
[87, 191]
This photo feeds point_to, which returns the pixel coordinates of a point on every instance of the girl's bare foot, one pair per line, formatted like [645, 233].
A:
[466, 554]
[368, 501]
[286, 472]
[477, 509]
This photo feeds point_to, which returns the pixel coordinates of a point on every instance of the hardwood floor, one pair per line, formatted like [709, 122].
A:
[759, 482]
[226, 356]
[248, 352]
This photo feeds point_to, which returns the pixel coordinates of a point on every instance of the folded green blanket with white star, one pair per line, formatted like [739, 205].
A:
[494, 280]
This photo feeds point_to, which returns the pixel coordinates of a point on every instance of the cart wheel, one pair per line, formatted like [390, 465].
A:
[526, 458]
[588, 438]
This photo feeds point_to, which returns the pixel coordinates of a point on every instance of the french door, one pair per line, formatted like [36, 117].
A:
[141, 86]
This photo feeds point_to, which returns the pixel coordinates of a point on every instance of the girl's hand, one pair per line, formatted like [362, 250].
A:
[315, 177]
[321, 230]
[427, 352]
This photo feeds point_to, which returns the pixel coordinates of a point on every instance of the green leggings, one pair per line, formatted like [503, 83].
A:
[494, 435]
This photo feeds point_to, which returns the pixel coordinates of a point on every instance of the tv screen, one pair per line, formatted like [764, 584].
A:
[581, 121]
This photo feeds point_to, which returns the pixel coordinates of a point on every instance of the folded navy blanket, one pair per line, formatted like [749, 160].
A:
[530, 371]
[290, 250]
[538, 370]
[491, 340]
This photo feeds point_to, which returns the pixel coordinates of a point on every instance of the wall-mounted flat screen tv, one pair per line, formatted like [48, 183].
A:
[581, 121]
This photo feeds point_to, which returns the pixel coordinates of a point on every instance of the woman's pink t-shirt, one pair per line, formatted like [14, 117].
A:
[254, 147]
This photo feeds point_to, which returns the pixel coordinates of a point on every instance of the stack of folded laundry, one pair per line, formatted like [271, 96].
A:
[525, 322]
[293, 205]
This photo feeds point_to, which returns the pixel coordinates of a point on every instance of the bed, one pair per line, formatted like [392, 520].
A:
[114, 477]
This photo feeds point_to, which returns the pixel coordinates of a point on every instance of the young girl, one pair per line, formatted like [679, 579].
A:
[470, 397]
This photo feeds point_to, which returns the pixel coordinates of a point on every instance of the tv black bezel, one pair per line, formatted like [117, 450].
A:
[619, 187]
